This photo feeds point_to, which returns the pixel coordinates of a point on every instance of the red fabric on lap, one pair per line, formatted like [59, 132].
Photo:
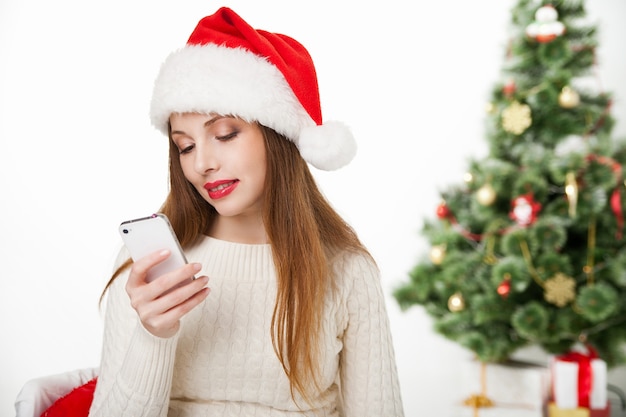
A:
[74, 404]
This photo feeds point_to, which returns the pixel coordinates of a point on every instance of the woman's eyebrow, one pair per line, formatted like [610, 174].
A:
[206, 124]
[213, 120]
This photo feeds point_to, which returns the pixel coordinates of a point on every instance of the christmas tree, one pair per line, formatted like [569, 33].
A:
[529, 248]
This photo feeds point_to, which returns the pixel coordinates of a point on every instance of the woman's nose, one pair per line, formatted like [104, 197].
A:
[206, 159]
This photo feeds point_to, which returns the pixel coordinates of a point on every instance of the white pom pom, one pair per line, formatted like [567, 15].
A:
[327, 147]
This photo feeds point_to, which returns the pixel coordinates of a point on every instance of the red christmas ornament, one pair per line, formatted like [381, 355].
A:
[443, 211]
[509, 88]
[524, 209]
[504, 289]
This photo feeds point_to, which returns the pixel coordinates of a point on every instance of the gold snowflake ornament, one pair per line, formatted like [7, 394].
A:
[516, 118]
[560, 290]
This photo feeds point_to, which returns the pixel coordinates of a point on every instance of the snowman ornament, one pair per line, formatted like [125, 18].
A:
[546, 27]
[524, 210]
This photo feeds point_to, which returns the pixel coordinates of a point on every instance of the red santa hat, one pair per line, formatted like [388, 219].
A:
[229, 68]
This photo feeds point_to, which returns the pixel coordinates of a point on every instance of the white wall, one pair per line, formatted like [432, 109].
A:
[78, 154]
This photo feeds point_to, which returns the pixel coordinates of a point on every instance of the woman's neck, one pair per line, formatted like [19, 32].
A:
[239, 229]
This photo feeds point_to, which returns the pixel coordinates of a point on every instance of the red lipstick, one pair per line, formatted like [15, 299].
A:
[220, 189]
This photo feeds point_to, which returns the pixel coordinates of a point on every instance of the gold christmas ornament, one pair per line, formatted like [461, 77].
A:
[560, 290]
[437, 254]
[516, 118]
[456, 302]
[571, 191]
[468, 178]
[568, 98]
[486, 195]
[490, 258]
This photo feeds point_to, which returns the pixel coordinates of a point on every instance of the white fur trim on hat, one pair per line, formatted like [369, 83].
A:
[235, 81]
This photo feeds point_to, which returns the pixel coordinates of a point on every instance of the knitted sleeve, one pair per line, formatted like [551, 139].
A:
[136, 367]
[369, 379]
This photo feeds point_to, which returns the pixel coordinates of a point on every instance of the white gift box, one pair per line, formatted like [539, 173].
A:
[565, 379]
[513, 384]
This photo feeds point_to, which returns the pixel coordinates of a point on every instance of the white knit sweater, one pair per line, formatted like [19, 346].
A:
[222, 363]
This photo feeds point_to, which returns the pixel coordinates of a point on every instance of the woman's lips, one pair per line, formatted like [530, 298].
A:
[220, 189]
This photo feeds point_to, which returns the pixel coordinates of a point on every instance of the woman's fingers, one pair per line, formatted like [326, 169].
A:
[162, 302]
[140, 267]
[181, 277]
[161, 317]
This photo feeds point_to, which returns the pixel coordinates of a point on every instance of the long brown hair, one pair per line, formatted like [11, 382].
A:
[303, 231]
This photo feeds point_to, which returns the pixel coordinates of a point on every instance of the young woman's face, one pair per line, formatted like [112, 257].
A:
[224, 159]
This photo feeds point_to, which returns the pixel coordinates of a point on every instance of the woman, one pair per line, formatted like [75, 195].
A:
[294, 322]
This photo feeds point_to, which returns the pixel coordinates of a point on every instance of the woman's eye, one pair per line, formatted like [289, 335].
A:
[186, 149]
[228, 136]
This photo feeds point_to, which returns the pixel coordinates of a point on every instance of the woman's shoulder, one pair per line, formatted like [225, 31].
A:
[353, 258]
[350, 267]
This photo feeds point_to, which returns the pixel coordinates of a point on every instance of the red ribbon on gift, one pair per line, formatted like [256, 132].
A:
[585, 373]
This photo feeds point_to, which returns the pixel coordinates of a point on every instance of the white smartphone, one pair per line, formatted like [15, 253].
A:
[149, 234]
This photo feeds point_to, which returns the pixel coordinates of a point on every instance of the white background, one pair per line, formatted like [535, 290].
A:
[78, 154]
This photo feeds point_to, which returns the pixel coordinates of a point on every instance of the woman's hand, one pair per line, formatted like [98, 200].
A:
[160, 306]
